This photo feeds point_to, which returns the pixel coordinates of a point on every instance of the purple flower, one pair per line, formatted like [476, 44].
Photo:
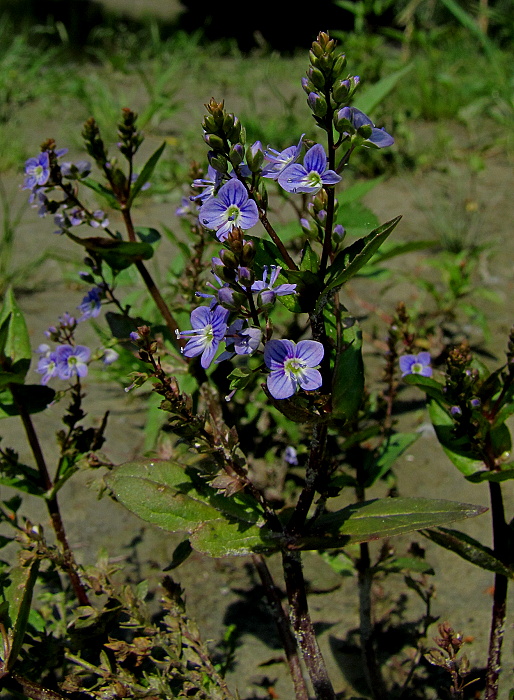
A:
[37, 171]
[265, 288]
[310, 177]
[209, 185]
[76, 171]
[416, 364]
[231, 207]
[47, 365]
[91, 304]
[292, 366]
[280, 160]
[71, 361]
[209, 328]
[245, 340]
[291, 456]
[378, 137]
[109, 356]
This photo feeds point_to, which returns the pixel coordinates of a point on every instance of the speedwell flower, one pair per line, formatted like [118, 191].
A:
[310, 177]
[71, 361]
[37, 171]
[292, 366]
[91, 304]
[280, 160]
[416, 364]
[209, 328]
[230, 208]
[378, 137]
[267, 291]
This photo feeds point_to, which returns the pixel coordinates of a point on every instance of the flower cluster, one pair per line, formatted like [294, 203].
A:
[45, 176]
[65, 362]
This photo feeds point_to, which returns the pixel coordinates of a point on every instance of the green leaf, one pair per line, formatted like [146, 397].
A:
[34, 398]
[222, 538]
[356, 192]
[357, 219]
[16, 598]
[148, 234]
[383, 517]
[348, 377]
[15, 350]
[389, 452]
[350, 260]
[117, 254]
[175, 497]
[146, 173]
[465, 461]
[310, 259]
[428, 385]
[469, 549]
[240, 377]
[370, 97]
[103, 191]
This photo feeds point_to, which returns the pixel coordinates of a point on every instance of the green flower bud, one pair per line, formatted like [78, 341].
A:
[215, 142]
[229, 259]
[248, 253]
[316, 77]
[338, 66]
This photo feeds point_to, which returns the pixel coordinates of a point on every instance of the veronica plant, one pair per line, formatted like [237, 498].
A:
[271, 338]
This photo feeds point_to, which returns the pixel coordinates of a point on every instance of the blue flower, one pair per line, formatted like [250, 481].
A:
[416, 364]
[292, 366]
[230, 208]
[209, 185]
[378, 137]
[37, 171]
[268, 293]
[91, 304]
[280, 160]
[245, 341]
[71, 361]
[310, 177]
[209, 328]
[47, 365]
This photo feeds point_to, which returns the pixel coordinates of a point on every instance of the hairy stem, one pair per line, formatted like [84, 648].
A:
[52, 503]
[303, 628]
[283, 627]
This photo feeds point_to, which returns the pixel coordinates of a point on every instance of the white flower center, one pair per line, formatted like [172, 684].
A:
[232, 212]
[416, 368]
[314, 179]
[294, 366]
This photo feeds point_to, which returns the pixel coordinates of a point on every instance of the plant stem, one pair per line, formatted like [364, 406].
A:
[283, 627]
[501, 551]
[371, 666]
[303, 628]
[52, 503]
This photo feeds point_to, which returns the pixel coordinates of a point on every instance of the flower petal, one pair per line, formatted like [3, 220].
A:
[281, 385]
[315, 159]
[310, 351]
[310, 379]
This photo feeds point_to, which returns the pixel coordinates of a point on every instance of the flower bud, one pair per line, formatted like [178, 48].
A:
[255, 157]
[229, 259]
[341, 90]
[339, 65]
[316, 77]
[215, 142]
[236, 154]
[248, 253]
[245, 276]
[316, 49]
[218, 161]
[230, 299]
[317, 104]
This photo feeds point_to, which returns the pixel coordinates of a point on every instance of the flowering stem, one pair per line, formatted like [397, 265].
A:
[52, 504]
[313, 473]
[302, 626]
[276, 240]
[283, 627]
[501, 551]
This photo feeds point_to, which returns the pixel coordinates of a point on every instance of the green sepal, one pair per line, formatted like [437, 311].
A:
[240, 377]
[15, 350]
[117, 254]
[348, 377]
[469, 549]
[16, 596]
[383, 517]
[146, 173]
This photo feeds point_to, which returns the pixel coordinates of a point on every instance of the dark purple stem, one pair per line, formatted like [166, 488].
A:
[303, 628]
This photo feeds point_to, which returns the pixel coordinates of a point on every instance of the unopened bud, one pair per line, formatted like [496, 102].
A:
[229, 259]
[248, 253]
[316, 77]
[215, 142]
[317, 103]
